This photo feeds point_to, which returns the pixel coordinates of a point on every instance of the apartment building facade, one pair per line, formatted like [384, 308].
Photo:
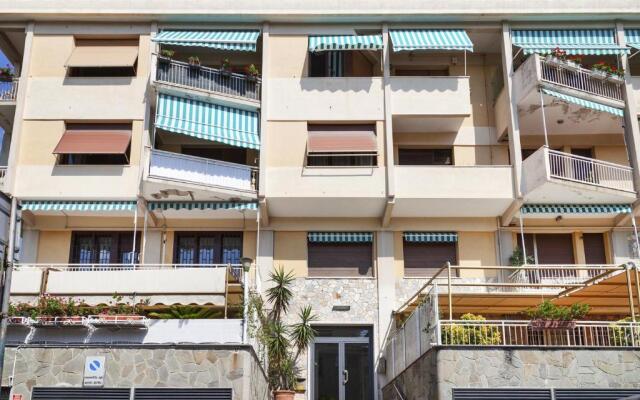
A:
[409, 167]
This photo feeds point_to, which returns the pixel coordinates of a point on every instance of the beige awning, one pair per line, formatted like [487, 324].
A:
[103, 56]
[342, 139]
[82, 139]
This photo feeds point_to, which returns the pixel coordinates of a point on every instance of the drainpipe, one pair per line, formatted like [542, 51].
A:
[6, 287]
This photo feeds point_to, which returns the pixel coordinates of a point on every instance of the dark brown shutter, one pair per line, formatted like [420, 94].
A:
[425, 156]
[594, 250]
[424, 259]
[555, 248]
[340, 259]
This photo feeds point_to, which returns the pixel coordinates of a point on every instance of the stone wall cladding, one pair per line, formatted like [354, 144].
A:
[139, 367]
[446, 368]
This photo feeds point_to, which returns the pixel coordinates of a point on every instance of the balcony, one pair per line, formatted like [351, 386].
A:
[443, 191]
[209, 80]
[8, 91]
[202, 174]
[551, 176]
[3, 174]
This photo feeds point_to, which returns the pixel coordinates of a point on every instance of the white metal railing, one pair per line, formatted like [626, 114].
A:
[117, 320]
[559, 273]
[528, 333]
[3, 174]
[209, 79]
[580, 169]
[9, 90]
[202, 171]
[581, 79]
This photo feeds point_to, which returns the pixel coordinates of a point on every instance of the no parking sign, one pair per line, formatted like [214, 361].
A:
[94, 369]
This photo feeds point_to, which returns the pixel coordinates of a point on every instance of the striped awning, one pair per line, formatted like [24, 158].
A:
[632, 37]
[430, 39]
[345, 42]
[340, 237]
[618, 112]
[200, 205]
[208, 121]
[573, 41]
[556, 209]
[69, 205]
[238, 40]
[430, 237]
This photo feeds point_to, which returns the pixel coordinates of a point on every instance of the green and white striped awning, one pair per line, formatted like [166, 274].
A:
[208, 121]
[69, 205]
[238, 40]
[340, 237]
[200, 205]
[430, 39]
[573, 41]
[618, 112]
[431, 237]
[556, 209]
[632, 37]
[345, 42]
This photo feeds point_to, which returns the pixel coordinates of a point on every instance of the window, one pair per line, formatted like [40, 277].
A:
[328, 64]
[340, 259]
[425, 156]
[208, 248]
[94, 144]
[425, 258]
[103, 58]
[341, 145]
[103, 248]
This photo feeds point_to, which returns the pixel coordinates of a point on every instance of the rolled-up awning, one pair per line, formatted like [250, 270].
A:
[430, 237]
[618, 112]
[430, 39]
[340, 237]
[70, 205]
[103, 56]
[200, 205]
[632, 37]
[573, 41]
[208, 121]
[342, 139]
[555, 209]
[345, 42]
[238, 40]
[95, 139]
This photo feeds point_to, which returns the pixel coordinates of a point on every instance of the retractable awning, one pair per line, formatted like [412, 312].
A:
[573, 41]
[430, 237]
[632, 37]
[103, 56]
[430, 39]
[618, 112]
[69, 205]
[109, 139]
[340, 237]
[345, 42]
[229, 125]
[342, 139]
[200, 205]
[555, 209]
[238, 40]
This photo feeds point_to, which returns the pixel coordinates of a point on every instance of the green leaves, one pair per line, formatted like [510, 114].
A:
[549, 311]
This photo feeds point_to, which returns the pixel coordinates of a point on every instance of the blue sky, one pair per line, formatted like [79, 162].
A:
[3, 63]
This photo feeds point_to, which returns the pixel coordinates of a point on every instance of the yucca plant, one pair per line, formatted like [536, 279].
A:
[283, 342]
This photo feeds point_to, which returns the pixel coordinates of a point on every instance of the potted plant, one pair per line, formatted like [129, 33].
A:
[283, 342]
[517, 260]
[194, 62]
[475, 333]
[6, 74]
[548, 316]
[252, 72]
[556, 57]
[616, 75]
[574, 62]
[225, 67]
[165, 56]
[622, 333]
[599, 70]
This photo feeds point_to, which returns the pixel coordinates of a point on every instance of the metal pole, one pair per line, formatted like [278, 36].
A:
[635, 234]
[635, 268]
[631, 306]
[465, 62]
[544, 120]
[144, 236]
[245, 307]
[135, 231]
[524, 248]
[6, 287]
[449, 289]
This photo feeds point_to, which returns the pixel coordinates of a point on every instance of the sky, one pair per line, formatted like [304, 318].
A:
[3, 63]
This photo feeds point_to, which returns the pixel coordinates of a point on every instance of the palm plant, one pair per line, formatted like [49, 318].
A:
[186, 312]
[283, 343]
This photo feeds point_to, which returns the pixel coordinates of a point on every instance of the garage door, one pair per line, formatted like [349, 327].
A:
[595, 394]
[59, 393]
[501, 394]
[182, 394]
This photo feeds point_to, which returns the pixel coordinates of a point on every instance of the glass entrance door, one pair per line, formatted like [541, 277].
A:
[342, 368]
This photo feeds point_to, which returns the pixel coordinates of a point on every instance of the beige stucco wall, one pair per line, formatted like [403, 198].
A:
[290, 252]
[287, 57]
[54, 247]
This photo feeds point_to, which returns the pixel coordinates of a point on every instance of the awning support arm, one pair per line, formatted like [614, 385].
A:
[635, 233]
[524, 249]
[544, 120]
[632, 308]
[135, 231]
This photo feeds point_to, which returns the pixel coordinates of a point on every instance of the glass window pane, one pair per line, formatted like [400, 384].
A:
[327, 373]
[84, 250]
[207, 250]
[231, 249]
[105, 244]
[186, 250]
[358, 371]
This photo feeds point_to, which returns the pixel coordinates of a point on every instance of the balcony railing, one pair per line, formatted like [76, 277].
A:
[3, 174]
[202, 171]
[9, 90]
[209, 79]
[574, 168]
[581, 79]
[558, 273]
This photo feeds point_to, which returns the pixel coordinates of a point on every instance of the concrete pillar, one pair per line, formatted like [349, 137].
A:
[153, 247]
[262, 181]
[264, 258]
[388, 122]
[386, 282]
[29, 246]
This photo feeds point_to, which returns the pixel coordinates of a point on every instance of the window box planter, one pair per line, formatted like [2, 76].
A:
[572, 65]
[550, 324]
[163, 60]
[553, 60]
[617, 79]
[600, 75]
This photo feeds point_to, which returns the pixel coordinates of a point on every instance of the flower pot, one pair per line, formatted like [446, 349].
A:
[553, 60]
[572, 65]
[284, 394]
[617, 79]
[549, 324]
[252, 78]
[164, 60]
[225, 72]
[597, 74]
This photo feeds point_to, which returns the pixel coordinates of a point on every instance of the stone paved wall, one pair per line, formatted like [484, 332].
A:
[140, 367]
[443, 369]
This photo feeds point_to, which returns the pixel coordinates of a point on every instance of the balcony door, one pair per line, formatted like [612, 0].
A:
[342, 364]
[550, 248]
[208, 248]
[583, 170]
[103, 248]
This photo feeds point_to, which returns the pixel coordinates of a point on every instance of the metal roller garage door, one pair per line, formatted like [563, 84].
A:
[182, 394]
[501, 394]
[66, 393]
[595, 394]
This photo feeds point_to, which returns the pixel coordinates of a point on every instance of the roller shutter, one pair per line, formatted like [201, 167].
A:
[183, 394]
[66, 393]
[501, 394]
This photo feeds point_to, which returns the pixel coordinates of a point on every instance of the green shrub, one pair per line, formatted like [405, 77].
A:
[623, 335]
[551, 312]
[471, 334]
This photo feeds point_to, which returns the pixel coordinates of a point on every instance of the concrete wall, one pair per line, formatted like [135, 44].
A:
[440, 370]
